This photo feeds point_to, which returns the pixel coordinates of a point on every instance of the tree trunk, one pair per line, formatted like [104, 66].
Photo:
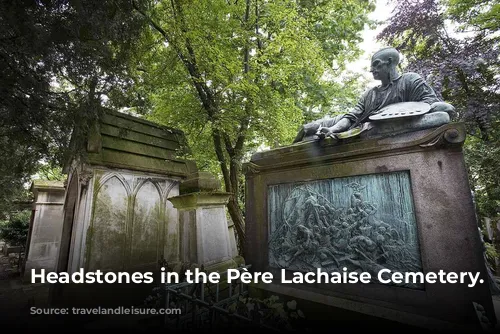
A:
[229, 174]
[239, 222]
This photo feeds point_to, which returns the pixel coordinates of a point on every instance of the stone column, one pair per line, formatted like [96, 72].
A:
[204, 231]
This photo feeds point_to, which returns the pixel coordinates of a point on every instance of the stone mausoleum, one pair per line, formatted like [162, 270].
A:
[381, 188]
[133, 203]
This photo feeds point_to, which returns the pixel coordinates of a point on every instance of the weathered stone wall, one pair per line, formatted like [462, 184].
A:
[206, 238]
[118, 215]
[126, 142]
[124, 222]
[205, 235]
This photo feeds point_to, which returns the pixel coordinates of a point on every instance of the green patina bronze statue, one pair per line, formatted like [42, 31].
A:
[395, 89]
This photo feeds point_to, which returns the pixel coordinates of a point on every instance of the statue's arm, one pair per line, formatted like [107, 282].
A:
[347, 120]
[343, 125]
[359, 109]
[421, 91]
[317, 127]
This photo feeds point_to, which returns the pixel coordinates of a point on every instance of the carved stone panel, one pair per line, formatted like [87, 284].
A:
[146, 227]
[364, 223]
[130, 221]
[108, 230]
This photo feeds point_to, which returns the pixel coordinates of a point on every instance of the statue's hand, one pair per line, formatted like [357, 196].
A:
[324, 132]
[443, 106]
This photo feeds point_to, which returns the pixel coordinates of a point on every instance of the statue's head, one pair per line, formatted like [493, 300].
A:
[384, 63]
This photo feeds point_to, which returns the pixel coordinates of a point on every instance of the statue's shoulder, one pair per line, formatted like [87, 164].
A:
[411, 76]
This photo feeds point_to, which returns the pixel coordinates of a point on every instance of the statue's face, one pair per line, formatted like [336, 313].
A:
[380, 68]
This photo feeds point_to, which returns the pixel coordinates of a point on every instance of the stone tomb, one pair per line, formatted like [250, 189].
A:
[400, 202]
[118, 214]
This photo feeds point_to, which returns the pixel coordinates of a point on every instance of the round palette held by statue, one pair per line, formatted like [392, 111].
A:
[402, 109]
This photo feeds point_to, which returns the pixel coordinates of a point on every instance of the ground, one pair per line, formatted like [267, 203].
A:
[16, 298]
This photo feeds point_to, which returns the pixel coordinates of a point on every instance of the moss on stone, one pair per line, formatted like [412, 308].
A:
[48, 184]
[132, 161]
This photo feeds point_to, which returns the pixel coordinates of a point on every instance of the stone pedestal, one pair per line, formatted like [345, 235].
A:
[205, 239]
[399, 201]
[45, 229]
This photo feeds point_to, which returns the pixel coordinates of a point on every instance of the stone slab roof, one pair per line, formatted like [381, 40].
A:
[120, 140]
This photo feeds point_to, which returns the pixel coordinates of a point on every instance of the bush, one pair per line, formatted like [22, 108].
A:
[15, 230]
[491, 254]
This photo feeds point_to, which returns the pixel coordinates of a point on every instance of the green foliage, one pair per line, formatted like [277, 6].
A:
[290, 47]
[50, 173]
[234, 75]
[484, 171]
[13, 189]
[15, 230]
[491, 254]
[483, 153]
[454, 44]
[59, 61]
[476, 14]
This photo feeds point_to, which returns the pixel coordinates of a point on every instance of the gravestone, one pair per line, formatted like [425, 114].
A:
[398, 200]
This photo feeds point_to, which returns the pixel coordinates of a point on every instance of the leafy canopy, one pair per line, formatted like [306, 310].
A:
[478, 15]
[58, 60]
[263, 66]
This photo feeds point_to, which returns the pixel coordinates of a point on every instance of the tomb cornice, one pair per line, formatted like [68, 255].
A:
[450, 136]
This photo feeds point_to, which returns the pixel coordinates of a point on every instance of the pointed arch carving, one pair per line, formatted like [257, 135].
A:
[146, 227]
[168, 189]
[143, 182]
[109, 176]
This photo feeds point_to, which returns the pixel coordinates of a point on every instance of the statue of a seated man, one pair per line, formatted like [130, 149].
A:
[395, 88]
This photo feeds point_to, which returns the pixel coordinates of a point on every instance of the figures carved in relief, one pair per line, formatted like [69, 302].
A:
[313, 233]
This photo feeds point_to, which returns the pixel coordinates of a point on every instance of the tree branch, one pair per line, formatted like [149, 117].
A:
[228, 144]
[242, 134]
[202, 89]
[151, 22]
